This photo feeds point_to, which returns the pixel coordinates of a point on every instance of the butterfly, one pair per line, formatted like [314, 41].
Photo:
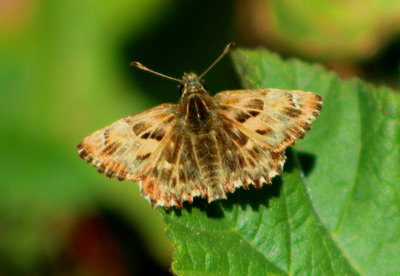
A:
[204, 146]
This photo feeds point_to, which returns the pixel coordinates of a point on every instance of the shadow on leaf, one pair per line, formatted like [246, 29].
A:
[252, 198]
[212, 209]
[307, 162]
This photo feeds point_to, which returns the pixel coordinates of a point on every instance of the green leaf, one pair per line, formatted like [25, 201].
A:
[341, 218]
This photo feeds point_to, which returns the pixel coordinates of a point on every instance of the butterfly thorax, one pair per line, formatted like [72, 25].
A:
[196, 105]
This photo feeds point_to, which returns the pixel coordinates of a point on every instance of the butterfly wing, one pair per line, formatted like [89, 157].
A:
[129, 147]
[257, 126]
[245, 145]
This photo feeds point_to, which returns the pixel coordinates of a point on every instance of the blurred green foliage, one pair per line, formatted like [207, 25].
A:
[327, 30]
[60, 79]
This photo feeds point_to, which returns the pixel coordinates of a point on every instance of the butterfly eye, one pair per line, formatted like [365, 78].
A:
[180, 87]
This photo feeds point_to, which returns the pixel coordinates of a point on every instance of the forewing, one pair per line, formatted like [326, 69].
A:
[274, 117]
[129, 147]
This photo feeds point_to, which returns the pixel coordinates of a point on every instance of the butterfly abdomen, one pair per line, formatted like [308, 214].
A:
[209, 163]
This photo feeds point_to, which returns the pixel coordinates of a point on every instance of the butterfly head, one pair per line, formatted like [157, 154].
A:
[190, 84]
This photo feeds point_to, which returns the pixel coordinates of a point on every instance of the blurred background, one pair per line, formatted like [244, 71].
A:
[64, 73]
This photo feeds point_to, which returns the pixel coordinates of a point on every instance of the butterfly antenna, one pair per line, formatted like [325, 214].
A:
[226, 50]
[144, 68]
